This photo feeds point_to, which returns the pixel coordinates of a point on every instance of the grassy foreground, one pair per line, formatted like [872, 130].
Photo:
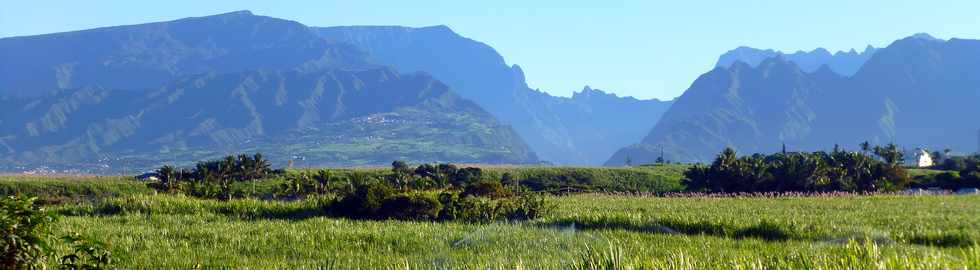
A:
[871, 232]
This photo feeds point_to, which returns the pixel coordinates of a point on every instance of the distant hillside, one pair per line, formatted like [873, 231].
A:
[323, 118]
[583, 129]
[136, 96]
[917, 92]
[844, 63]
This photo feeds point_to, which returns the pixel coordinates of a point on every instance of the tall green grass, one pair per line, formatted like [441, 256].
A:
[584, 232]
[70, 189]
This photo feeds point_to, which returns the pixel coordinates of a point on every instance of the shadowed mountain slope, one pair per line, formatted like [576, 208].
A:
[583, 129]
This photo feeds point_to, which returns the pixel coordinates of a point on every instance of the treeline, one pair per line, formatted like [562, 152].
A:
[837, 170]
[213, 178]
[423, 192]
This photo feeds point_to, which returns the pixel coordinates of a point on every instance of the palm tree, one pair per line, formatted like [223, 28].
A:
[168, 177]
[260, 166]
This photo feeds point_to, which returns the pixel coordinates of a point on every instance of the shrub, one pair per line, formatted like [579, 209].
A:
[25, 228]
[86, 254]
[482, 209]
[489, 189]
[364, 202]
[411, 206]
[528, 207]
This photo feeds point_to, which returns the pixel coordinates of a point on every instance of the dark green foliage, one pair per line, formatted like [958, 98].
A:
[889, 154]
[378, 200]
[489, 189]
[364, 202]
[86, 254]
[959, 172]
[410, 206]
[214, 178]
[24, 227]
[800, 172]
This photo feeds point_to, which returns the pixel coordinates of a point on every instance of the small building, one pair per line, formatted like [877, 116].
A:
[919, 158]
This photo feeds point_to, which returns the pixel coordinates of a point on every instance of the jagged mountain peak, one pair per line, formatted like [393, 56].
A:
[844, 63]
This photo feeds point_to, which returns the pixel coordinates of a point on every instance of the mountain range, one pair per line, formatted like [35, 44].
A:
[133, 97]
[137, 96]
[917, 92]
[843, 63]
[584, 129]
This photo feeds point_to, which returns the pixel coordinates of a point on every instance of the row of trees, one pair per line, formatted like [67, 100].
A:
[432, 176]
[213, 178]
[837, 170]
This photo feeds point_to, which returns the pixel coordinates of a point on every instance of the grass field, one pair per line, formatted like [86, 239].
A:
[584, 231]
[927, 232]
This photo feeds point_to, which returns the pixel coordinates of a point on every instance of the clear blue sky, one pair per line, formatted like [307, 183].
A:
[643, 48]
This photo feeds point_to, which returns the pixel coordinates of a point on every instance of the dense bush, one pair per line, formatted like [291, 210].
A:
[364, 202]
[25, 235]
[379, 200]
[489, 189]
[410, 206]
[24, 227]
[809, 172]
[86, 254]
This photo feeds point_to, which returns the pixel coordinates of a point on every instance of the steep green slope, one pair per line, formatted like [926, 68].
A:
[325, 117]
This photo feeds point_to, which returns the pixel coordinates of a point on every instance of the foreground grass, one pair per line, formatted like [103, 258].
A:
[585, 231]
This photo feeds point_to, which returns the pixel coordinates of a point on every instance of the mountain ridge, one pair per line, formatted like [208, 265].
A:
[904, 94]
[479, 73]
[193, 95]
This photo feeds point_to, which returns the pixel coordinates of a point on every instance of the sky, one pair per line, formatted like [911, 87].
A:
[642, 48]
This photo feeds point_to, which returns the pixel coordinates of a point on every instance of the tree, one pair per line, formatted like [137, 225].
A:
[322, 179]
[865, 147]
[401, 173]
[168, 177]
[890, 154]
[260, 167]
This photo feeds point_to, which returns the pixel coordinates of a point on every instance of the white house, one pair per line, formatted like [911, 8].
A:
[919, 158]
